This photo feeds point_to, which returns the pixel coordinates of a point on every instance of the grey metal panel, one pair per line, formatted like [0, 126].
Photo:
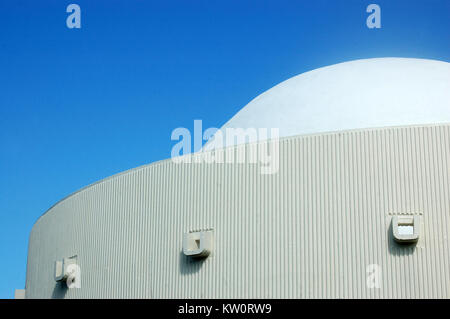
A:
[309, 231]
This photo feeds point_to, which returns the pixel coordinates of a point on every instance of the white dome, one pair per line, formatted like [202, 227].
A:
[353, 95]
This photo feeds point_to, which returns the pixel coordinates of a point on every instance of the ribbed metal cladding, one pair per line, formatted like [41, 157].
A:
[309, 231]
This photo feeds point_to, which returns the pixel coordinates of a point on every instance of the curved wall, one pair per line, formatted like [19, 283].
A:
[309, 231]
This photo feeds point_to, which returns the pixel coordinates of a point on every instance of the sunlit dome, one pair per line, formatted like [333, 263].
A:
[359, 94]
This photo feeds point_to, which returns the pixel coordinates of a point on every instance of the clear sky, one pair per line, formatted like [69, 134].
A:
[79, 105]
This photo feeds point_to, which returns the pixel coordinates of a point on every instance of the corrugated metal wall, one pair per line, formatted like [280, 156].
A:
[309, 231]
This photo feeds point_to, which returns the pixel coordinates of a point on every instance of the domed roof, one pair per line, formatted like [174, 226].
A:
[353, 95]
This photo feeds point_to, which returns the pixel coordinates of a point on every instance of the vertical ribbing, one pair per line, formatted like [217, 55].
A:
[309, 231]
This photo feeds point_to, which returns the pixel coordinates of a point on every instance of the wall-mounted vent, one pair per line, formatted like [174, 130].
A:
[198, 243]
[66, 269]
[406, 228]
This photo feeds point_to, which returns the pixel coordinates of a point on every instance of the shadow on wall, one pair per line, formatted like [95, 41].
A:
[189, 265]
[60, 290]
[397, 249]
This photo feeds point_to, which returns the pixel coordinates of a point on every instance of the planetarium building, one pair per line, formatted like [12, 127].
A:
[358, 206]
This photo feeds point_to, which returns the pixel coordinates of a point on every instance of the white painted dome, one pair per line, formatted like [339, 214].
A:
[353, 95]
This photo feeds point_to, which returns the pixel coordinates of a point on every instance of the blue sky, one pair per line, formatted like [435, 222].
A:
[79, 105]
